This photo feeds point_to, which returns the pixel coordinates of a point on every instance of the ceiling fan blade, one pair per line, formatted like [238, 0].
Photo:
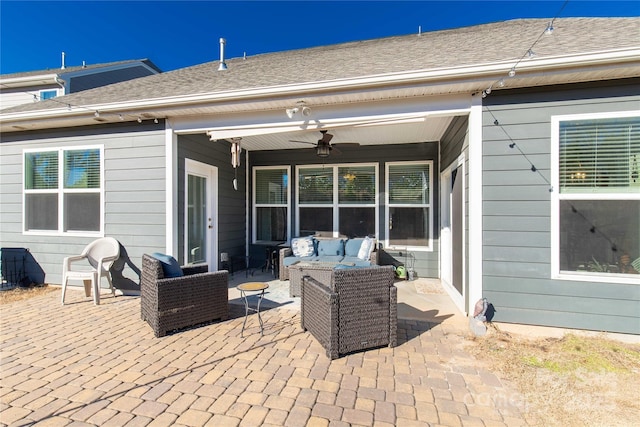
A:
[326, 137]
[346, 144]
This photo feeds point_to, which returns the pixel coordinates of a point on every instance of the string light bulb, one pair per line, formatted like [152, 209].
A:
[549, 29]
[512, 72]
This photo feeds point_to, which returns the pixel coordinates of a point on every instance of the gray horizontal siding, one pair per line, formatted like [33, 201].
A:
[134, 189]
[517, 213]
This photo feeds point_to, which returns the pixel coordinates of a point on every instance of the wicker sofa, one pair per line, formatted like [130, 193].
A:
[351, 309]
[340, 250]
[169, 304]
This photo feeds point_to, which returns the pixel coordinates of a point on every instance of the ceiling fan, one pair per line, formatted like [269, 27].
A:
[323, 147]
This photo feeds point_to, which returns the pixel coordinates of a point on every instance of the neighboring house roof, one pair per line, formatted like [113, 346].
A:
[28, 78]
[71, 69]
[462, 60]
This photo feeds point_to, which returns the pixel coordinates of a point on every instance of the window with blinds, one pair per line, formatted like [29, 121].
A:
[600, 156]
[336, 198]
[409, 184]
[63, 190]
[271, 199]
[598, 161]
[409, 204]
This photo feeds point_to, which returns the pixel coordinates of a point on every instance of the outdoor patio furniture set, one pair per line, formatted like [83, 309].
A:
[346, 307]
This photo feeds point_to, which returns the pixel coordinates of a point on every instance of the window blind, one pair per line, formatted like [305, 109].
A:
[600, 156]
[409, 184]
[271, 186]
[41, 170]
[357, 184]
[315, 185]
[82, 168]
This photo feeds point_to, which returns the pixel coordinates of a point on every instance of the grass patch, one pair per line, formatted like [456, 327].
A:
[573, 380]
[19, 294]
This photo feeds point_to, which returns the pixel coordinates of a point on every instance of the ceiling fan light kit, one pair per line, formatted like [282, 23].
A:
[323, 150]
[323, 147]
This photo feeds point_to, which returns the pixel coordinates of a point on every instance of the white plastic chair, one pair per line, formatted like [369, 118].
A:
[100, 254]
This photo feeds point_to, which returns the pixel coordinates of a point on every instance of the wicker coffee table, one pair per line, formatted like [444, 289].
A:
[252, 287]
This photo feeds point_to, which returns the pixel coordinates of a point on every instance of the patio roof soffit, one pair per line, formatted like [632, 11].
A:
[226, 133]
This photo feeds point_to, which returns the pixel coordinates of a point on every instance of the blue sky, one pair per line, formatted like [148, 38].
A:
[176, 34]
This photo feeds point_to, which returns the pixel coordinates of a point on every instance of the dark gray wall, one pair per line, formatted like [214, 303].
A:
[426, 263]
[231, 204]
[454, 143]
[517, 212]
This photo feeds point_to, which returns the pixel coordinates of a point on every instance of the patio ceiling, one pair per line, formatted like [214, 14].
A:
[425, 129]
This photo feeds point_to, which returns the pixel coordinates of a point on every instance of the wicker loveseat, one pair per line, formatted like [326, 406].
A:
[339, 250]
[174, 303]
[351, 309]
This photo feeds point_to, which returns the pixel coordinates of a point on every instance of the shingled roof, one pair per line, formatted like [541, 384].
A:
[495, 43]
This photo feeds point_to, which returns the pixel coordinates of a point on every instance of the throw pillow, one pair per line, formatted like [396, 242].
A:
[303, 246]
[331, 247]
[366, 248]
[170, 266]
[352, 247]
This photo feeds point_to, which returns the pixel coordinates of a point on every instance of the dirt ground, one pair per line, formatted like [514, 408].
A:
[570, 381]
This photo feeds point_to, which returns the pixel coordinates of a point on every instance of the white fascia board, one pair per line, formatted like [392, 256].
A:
[491, 70]
[40, 79]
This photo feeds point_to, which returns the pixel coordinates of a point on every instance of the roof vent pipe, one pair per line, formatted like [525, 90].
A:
[223, 65]
[63, 65]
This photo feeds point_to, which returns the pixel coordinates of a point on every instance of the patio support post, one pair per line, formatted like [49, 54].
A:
[475, 204]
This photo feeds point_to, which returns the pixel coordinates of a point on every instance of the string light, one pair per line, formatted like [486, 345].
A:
[513, 145]
[529, 53]
[549, 29]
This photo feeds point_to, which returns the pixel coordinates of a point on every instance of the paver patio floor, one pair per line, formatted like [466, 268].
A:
[81, 364]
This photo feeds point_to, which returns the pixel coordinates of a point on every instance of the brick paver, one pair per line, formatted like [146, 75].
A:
[105, 367]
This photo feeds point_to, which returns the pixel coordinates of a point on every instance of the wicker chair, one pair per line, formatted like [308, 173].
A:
[356, 309]
[169, 304]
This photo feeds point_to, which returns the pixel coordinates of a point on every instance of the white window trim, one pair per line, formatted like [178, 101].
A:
[60, 191]
[336, 205]
[254, 216]
[556, 273]
[429, 247]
